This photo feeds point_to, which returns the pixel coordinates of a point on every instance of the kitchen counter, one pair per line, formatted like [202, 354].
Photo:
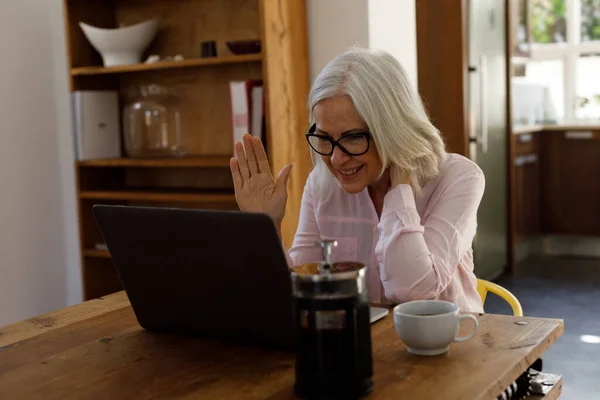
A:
[551, 190]
[566, 125]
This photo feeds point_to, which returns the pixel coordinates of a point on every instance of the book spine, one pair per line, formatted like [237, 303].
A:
[77, 108]
[239, 109]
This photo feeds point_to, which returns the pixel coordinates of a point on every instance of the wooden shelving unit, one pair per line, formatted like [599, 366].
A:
[158, 197]
[201, 179]
[164, 65]
[184, 162]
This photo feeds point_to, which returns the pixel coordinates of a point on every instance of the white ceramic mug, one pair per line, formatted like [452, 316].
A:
[427, 327]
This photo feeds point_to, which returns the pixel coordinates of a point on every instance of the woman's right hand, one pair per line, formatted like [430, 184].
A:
[255, 188]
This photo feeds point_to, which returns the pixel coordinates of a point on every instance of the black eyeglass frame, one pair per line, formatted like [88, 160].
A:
[311, 133]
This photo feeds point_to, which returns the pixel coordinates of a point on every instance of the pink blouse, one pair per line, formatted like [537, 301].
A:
[420, 248]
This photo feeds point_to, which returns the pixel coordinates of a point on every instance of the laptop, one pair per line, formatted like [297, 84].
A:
[215, 274]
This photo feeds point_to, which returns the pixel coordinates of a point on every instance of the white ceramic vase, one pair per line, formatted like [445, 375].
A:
[121, 46]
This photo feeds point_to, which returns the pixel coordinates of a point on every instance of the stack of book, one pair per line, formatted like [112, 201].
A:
[247, 108]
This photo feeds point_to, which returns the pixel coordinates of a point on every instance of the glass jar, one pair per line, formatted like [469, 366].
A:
[152, 124]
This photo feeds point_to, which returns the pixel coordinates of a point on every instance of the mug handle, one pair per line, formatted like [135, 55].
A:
[476, 326]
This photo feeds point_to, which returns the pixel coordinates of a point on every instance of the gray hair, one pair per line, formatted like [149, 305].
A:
[390, 106]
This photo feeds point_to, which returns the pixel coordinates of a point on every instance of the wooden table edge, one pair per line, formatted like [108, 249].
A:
[536, 352]
[29, 328]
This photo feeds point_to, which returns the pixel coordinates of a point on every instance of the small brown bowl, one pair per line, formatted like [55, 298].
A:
[244, 46]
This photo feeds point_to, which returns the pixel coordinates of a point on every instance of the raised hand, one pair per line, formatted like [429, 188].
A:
[255, 188]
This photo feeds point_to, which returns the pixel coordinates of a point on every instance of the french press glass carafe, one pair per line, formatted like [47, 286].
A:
[331, 312]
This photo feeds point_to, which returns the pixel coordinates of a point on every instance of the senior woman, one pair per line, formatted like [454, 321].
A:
[382, 185]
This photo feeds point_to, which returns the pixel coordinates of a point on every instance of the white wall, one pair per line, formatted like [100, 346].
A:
[393, 27]
[335, 25]
[36, 172]
[66, 157]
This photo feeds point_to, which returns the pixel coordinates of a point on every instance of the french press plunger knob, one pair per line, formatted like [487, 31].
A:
[325, 266]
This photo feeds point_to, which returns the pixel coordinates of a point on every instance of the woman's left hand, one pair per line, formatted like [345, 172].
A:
[398, 177]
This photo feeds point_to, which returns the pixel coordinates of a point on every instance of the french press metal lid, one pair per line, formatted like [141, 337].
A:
[329, 280]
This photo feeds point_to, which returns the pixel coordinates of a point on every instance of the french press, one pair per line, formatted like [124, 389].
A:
[331, 313]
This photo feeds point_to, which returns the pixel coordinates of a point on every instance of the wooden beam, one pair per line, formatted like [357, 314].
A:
[285, 61]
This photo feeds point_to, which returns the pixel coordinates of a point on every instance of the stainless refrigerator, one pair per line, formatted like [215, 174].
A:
[487, 125]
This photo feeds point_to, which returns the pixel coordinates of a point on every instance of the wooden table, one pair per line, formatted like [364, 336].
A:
[97, 350]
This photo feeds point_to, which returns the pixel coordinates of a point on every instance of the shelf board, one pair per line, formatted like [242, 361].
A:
[163, 65]
[159, 196]
[184, 162]
[96, 253]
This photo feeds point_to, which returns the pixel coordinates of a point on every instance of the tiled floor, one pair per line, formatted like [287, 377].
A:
[567, 288]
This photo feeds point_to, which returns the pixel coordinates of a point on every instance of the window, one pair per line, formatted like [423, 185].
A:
[565, 54]
[548, 21]
[590, 20]
[550, 73]
[587, 92]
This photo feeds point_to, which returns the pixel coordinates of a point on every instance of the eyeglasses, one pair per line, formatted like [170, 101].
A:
[353, 144]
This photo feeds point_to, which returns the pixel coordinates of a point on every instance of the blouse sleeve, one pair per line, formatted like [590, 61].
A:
[418, 261]
[304, 249]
